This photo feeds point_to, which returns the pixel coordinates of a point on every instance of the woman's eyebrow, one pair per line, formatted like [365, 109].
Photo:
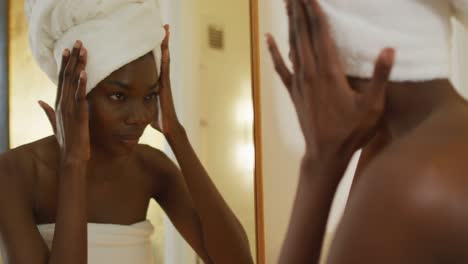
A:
[126, 86]
[118, 83]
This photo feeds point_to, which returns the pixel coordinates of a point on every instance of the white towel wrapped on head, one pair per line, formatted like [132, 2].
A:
[419, 30]
[115, 33]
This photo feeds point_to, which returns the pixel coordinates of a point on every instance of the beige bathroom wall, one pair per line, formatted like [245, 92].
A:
[227, 107]
[210, 91]
[27, 84]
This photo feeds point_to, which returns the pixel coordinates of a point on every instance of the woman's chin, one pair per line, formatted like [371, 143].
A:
[119, 149]
[126, 147]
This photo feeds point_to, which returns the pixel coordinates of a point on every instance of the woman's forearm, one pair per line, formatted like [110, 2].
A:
[317, 185]
[218, 222]
[70, 237]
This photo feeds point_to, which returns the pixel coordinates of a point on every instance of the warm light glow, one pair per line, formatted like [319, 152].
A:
[246, 158]
[28, 84]
[244, 113]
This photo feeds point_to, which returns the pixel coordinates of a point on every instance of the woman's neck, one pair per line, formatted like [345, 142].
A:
[104, 164]
[408, 104]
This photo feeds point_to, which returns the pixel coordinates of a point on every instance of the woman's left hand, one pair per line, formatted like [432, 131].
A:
[170, 122]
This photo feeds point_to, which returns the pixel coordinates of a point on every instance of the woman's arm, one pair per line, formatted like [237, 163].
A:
[318, 181]
[224, 238]
[20, 239]
[19, 235]
[70, 125]
[70, 241]
[335, 119]
[172, 194]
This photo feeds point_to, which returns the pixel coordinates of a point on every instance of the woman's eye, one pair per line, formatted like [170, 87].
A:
[117, 97]
[151, 96]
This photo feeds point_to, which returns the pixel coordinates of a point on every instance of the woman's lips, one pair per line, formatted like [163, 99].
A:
[129, 140]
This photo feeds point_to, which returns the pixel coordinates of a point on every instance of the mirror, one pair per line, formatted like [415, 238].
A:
[213, 48]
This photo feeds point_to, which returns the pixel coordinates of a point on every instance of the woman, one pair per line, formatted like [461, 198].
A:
[408, 205]
[91, 183]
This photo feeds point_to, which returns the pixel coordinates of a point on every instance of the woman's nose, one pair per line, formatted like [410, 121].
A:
[138, 114]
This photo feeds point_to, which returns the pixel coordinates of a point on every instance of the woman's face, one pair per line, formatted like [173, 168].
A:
[122, 106]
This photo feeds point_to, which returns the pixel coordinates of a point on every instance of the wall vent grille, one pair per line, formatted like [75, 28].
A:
[216, 37]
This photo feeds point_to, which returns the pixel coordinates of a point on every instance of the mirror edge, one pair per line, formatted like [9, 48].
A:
[4, 74]
[257, 129]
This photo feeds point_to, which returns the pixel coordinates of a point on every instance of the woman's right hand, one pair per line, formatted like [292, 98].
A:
[334, 117]
[70, 121]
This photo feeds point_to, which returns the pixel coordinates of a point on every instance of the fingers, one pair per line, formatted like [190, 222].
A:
[382, 70]
[80, 84]
[50, 113]
[76, 64]
[325, 49]
[157, 127]
[288, 7]
[65, 58]
[165, 77]
[69, 74]
[165, 95]
[80, 95]
[280, 65]
[166, 58]
[82, 61]
[303, 39]
[293, 56]
[156, 123]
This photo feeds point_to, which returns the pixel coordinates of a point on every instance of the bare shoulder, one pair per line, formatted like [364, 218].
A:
[154, 159]
[158, 166]
[21, 164]
[18, 171]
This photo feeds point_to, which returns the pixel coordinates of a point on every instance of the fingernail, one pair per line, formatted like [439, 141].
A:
[389, 55]
[269, 40]
[66, 53]
[82, 52]
[77, 44]
[82, 74]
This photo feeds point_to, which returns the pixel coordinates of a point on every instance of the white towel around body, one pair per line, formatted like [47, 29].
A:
[116, 244]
